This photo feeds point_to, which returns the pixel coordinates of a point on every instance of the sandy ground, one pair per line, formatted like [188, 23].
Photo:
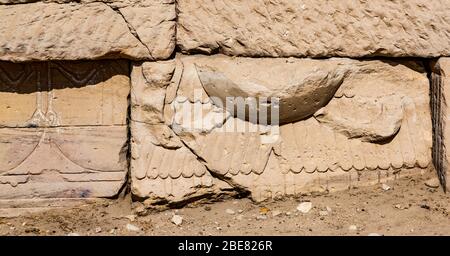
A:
[409, 207]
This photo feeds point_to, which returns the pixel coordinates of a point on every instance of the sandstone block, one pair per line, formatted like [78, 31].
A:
[163, 169]
[138, 30]
[168, 174]
[370, 119]
[311, 28]
[63, 129]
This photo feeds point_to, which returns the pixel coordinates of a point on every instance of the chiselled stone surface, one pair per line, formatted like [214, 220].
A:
[163, 169]
[376, 125]
[138, 30]
[150, 81]
[311, 28]
[63, 129]
[440, 95]
[370, 119]
[115, 3]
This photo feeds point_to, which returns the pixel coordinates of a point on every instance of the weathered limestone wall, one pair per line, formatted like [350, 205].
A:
[99, 94]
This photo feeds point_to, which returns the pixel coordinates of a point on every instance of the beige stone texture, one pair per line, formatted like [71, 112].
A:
[150, 81]
[441, 118]
[137, 30]
[354, 117]
[114, 3]
[168, 172]
[311, 28]
[63, 131]
[91, 90]
[163, 169]
[377, 123]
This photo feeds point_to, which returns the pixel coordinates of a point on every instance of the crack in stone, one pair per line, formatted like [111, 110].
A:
[81, 2]
[241, 190]
[131, 28]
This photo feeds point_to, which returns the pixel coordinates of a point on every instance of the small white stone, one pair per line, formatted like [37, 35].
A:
[401, 206]
[131, 227]
[353, 228]
[240, 211]
[329, 209]
[304, 207]
[261, 217]
[177, 220]
[73, 234]
[385, 187]
[373, 234]
[98, 229]
[288, 213]
[230, 211]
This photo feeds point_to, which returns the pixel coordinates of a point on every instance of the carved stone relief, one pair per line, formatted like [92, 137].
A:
[342, 122]
[163, 169]
[63, 129]
[76, 118]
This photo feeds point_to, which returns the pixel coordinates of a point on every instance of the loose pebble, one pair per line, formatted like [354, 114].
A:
[177, 220]
[304, 207]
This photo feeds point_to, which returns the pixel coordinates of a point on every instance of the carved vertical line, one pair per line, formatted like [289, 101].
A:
[38, 93]
[49, 88]
[51, 116]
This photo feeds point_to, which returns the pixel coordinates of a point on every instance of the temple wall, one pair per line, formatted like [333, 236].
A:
[100, 96]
